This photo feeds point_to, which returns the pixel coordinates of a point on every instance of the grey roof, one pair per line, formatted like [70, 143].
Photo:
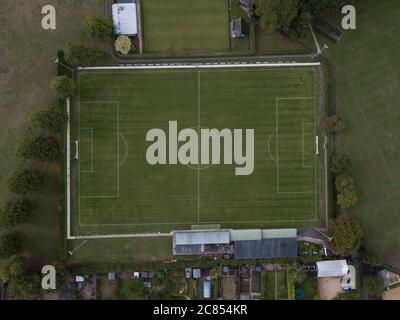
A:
[188, 249]
[201, 237]
[258, 234]
[266, 248]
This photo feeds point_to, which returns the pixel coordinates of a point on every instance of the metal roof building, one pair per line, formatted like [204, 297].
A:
[124, 18]
[201, 237]
[332, 268]
[264, 244]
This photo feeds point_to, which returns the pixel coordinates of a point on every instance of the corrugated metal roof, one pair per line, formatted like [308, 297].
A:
[188, 249]
[258, 234]
[278, 233]
[266, 248]
[201, 237]
[245, 234]
[332, 268]
[124, 18]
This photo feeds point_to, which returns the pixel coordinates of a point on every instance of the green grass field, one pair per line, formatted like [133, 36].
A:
[115, 189]
[367, 93]
[184, 27]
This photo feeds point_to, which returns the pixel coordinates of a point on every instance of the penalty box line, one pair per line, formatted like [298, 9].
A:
[79, 163]
[277, 144]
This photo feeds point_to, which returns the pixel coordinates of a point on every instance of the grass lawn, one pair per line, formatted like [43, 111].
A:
[107, 289]
[27, 55]
[115, 251]
[277, 43]
[115, 189]
[367, 94]
[309, 287]
[180, 26]
[281, 292]
[229, 284]
[274, 285]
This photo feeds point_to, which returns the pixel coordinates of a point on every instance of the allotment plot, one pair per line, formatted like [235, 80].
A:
[117, 190]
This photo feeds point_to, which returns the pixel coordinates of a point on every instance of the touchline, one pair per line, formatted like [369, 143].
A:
[195, 149]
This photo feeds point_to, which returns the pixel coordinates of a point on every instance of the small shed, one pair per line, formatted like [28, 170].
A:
[332, 268]
[188, 273]
[79, 279]
[124, 18]
[196, 273]
[111, 276]
[237, 28]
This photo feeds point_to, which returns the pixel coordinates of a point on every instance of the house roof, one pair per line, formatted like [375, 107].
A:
[266, 248]
[389, 278]
[332, 268]
[201, 237]
[124, 18]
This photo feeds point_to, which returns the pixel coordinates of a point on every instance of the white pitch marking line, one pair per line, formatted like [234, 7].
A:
[198, 131]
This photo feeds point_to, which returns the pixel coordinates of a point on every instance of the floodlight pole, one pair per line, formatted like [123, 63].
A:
[64, 65]
[326, 236]
[80, 245]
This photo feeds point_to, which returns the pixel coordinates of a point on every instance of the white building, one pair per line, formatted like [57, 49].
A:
[124, 19]
[332, 268]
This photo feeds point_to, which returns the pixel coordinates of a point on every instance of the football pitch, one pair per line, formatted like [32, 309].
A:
[116, 190]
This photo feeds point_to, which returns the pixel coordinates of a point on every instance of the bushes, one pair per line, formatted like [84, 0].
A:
[79, 54]
[25, 181]
[53, 119]
[10, 243]
[346, 235]
[335, 124]
[15, 212]
[63, 87]
[98, 27]
[344, 183]
[123, 44]
[40, 148]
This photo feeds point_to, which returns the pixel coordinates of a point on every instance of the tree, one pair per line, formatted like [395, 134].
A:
[373, 285]
[63, 87]
[52, 119]
[343, 183]
[40, 148]
[341, 163]
[26, 286]
[370, 257]
[335, 124]
[25, 181]
[276, 14]
[80, 54]
[123, 44]
[98, 27]
[15, 212]
[10, 243]
[13, 268]
[215, 273]
[295, 272]
[346, 235]
[347, 199]
[299, 28]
